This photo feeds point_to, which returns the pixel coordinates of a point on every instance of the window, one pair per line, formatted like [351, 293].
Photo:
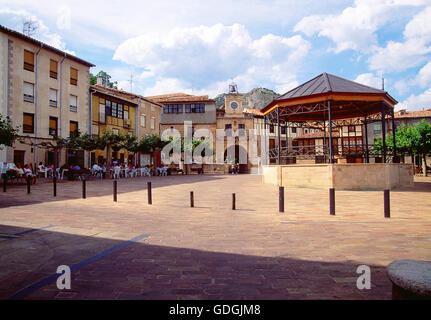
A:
[52, 126]
[73, 127]
[53, 98]
[351, 128]
[241, 128]
[108, 108]
[377, 128]
[305, 131]
[114, 109]
[120, 111]
[29, 92]
[283, 130]
[271, 128]
[73, 76]
[28, 60]
[126, 114]
[143, 120]
[53, 67]
[293, 130]
[152, 108]
[173, 108]
[195, 108]
[228, 126]
[153, 123]
[73, 103]
[102, 115]
[28, 123]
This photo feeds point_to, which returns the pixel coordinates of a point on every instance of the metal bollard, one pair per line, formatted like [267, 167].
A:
[280, 199]
[192, 200]
[233, 202]
[28, 184]
[4, 182]
[84, 189]
[115, 190]
[54, 181]
[150, 198]
[387, 203]
[332, 201]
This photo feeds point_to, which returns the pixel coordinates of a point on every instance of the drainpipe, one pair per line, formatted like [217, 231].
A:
[90, 127]
[61, 105]
[35, 107]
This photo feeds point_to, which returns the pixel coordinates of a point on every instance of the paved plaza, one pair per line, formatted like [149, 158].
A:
[131, 250]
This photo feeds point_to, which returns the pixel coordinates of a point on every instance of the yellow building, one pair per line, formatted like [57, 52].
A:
[44, 91]
[112, 114]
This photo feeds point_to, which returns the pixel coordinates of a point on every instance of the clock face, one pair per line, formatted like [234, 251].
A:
[234, 105]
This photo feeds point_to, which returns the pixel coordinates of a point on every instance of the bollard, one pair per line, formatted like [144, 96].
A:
[84, 189]
[233, 202]
[280, 199]
[28, 184]
[54, 181]
[4, 182]
[150, 199]
[332, 201]
[192, 200]
[115, 190]
[387, 203]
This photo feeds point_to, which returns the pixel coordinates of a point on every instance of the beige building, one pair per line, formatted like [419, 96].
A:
[44, 91]
[142, 118]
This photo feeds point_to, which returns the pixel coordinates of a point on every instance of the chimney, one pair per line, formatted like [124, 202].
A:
[99, 81]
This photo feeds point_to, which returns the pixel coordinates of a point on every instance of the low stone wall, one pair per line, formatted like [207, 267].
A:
[351, 176]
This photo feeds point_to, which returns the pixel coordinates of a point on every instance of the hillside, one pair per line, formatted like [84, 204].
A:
[256, 98]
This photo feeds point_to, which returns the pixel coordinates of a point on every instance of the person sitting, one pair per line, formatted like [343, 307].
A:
[97, 169]
[29, 174]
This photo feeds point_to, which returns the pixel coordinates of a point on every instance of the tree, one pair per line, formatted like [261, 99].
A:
[424, 143]
[8, 134]
[105, 79]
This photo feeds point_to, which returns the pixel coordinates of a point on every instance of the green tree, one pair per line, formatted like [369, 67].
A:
[106, 79]
[424, 143]
[8, 134]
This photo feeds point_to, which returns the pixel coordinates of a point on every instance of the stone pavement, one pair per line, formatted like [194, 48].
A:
[210, 251]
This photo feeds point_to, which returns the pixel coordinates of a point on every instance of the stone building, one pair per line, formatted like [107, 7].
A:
[44, 91]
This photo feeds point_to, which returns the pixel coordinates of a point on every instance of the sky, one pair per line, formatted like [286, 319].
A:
[200, 47]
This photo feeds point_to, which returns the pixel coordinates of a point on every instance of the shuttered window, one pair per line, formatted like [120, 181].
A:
[102, 116]
[29, 60]
[28, 92]
[52, 126]
[153, 123]
[53, 67]
[143, 120]
[73, 103]
[53, 98]
[73, 76]
[28, 123]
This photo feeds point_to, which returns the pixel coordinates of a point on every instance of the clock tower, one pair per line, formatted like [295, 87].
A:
[233, 101]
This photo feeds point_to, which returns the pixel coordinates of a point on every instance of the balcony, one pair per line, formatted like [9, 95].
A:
[53, 103]
[73, 108]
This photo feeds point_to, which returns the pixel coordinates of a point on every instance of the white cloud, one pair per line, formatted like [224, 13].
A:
[354, 28]
[207, 56]
[412, 52]
[369, 79]
[423, 78]
[42, 33]
[417, 102]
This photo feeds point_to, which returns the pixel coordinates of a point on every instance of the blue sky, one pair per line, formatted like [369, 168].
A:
[199, 47]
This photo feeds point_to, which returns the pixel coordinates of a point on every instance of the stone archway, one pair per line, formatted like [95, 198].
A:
[243, 168]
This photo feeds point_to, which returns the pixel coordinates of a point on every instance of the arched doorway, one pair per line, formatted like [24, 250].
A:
[239, 150]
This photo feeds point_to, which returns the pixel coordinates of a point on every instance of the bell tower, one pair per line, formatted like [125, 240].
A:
[233, 100]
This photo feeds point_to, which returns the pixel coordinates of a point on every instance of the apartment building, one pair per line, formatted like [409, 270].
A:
[116, 110]
[44, 91]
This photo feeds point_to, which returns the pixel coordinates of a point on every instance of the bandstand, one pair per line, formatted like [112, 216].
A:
[327, 103]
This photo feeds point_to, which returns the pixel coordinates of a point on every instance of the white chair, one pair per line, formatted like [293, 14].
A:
[117, 171]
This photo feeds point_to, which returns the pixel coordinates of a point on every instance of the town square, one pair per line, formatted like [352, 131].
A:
[215, 156]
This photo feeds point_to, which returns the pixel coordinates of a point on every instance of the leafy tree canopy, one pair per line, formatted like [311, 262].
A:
[8, 134]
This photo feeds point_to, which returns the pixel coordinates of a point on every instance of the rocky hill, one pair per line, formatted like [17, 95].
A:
[256, 98]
